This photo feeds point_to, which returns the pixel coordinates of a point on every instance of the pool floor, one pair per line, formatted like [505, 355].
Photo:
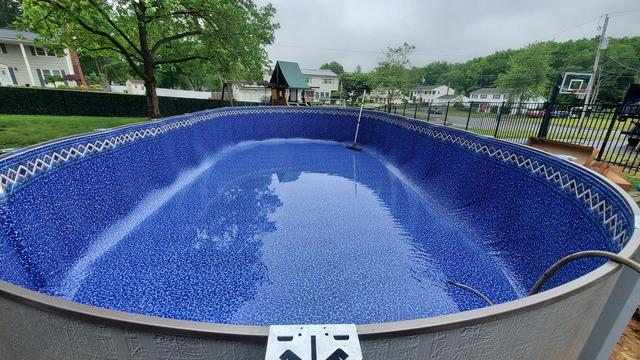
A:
[286, 231]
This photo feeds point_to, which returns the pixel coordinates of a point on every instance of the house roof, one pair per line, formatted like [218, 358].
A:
[427, 87]
[288, 74]
[13, 35]
[318, 72]
[136, 81]
[488, 91]
[448, 97]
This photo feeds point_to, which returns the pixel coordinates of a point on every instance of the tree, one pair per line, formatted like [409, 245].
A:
[528, 73]
[149, 34]
[357, 83]
[9, 11]
[333, 66]
[392, 74]
[107, 69]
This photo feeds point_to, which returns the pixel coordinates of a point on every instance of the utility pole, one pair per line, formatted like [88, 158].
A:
[596, 64]
[602, 44]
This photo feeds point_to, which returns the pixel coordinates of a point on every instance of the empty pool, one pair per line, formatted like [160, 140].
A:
[194, 233]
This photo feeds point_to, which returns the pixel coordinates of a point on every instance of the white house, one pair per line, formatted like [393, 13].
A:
[322, 82]
[444, 99]
[426, 93]
[135, 87]
[488, 95]
[380, 95]
[250, 91]
[24, 64]
[493, 95]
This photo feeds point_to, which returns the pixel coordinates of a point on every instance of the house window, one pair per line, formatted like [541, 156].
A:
[496, 96]
[38, 51]
[483, 96]
[474, 96]
[327, 81]
[308, 80]
[51, 72]
[3, 49]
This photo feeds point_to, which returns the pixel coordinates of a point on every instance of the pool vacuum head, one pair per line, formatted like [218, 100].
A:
[353, 146]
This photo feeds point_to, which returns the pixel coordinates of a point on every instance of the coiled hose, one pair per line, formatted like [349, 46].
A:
[556, 266]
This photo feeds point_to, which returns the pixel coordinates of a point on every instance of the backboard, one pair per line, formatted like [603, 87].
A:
[575, 83]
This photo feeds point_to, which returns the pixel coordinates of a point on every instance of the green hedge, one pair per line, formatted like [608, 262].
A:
[42, 101]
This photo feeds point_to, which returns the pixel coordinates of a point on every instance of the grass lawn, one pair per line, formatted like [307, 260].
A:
[23, 130]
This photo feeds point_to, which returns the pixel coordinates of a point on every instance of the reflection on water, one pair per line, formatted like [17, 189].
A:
[286, 232]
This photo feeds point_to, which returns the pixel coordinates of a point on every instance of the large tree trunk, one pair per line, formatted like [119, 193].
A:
[152, 97]
[149, 63]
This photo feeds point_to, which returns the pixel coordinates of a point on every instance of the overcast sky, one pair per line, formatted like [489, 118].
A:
[356, 32]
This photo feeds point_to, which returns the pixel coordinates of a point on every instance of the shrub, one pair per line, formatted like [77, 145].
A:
[41, 101]
[52, 79]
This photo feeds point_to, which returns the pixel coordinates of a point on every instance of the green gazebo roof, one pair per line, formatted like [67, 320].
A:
[287, 75]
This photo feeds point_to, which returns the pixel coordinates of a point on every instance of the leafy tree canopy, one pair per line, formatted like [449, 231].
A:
[9, 11]
[620, 67]
[333, 66]
[357, 83]
[152, 34]
[392, 74]
[528, 74]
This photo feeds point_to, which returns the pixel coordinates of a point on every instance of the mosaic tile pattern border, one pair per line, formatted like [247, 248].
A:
[19, 171]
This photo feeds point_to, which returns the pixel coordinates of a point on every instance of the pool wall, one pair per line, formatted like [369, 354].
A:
[93, 179]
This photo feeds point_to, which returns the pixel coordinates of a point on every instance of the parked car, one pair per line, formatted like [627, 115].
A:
[535, 113]
[434, 110]
[562, 114]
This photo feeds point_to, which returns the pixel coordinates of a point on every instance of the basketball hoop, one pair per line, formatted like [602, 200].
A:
[574, 83]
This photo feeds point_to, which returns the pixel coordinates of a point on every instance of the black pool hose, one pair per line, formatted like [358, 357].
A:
[472, 290]
[579, 255]
[557, 265]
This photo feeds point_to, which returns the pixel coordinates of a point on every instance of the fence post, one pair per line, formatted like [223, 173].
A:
[607, 137]
[548, 107]
[466, 127]
[415, 112]
[446, 113]
[429, 111]
[404, 110]
[498, 118]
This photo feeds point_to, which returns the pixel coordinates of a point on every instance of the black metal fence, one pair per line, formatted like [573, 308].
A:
[613, 129]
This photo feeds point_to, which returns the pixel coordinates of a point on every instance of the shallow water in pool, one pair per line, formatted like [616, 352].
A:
[291, 231]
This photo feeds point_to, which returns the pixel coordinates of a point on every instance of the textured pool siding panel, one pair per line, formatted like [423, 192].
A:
[555, 331]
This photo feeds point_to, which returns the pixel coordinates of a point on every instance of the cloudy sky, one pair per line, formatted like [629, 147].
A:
[356, 32]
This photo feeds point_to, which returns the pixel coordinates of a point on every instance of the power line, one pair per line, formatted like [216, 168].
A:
[369, 51]
[623, 65]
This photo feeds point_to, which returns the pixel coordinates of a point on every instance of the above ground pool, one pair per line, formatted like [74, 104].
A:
[262, 216]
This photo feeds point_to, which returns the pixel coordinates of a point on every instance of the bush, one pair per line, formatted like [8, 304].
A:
[52, 79]
[41, 101]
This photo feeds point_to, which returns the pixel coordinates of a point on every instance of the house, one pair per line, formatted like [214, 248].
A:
[444, 99]
[135, 87]
[250, 91]
[22, 63]
[322, 82]
[488, 95]
[381, 96]
[426, 93]
[494, 96]
[287, 84]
